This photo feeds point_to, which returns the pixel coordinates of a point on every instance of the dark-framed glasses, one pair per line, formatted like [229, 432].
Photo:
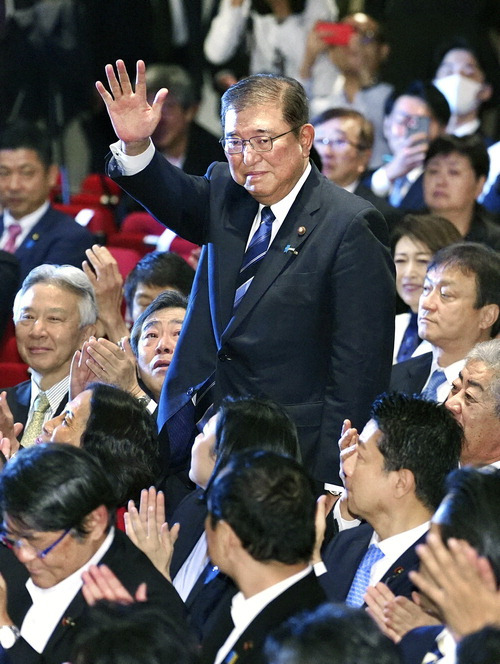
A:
[234, 145]
[16, 543]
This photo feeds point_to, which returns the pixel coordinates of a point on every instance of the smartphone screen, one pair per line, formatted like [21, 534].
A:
[334, 34]
[417, 124]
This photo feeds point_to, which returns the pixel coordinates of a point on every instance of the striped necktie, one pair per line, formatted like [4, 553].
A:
[257, 249]
[361, 580]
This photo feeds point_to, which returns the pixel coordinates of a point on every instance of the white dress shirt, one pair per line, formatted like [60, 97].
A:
[49, 604]
[244, 611]
[451, 372]
[27, 224]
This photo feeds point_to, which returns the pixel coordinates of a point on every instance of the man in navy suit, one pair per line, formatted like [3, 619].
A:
[412, 120]
[459, 308]
[313, 331]
[260, 532]
[395, 481]
[29, 227]
[58, 511]
[55, 311]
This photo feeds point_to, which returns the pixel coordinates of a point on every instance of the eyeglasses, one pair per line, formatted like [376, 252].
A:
[339, 143]
[13, 543]
[257, 143]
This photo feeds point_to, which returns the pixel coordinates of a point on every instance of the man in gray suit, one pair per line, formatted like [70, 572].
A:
[314, 329]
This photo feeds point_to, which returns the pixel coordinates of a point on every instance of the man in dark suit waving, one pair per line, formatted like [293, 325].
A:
[313, 331]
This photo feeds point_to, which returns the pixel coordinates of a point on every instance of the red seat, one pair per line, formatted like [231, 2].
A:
[99, 188]
[8, 346]
[141, 222]
[13, 373]
[126, 258]
[98, 220]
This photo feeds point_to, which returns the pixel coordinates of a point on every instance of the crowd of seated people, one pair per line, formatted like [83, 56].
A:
[118, 546]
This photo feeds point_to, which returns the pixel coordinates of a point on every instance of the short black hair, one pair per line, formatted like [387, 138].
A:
[123, 436]
[167, 300]
[137, 633]
[330, 634]
[254, 423]
[162, 269]
[54, 486]
[471, 147]
[471, 511]
[269, 501]
[24, 135]
[459, 42]
[434, 98]
[472, 258]
[423, 437]
[431, 230]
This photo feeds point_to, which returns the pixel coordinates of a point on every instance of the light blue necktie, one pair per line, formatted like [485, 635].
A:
[436, 380]
[398, 191]
[361, 580]
[257, 249]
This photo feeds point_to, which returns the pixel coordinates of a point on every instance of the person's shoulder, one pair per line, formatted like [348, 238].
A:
[65, 224]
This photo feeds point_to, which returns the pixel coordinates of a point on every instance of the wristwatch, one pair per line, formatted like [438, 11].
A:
[8, 636]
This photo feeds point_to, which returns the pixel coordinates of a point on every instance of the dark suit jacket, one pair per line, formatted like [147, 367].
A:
[304, 595]
[130, 565]
[416, 643]
[211, 588]
[391, 215]
[344, 554]
[19, 397]
[9, 279]
[56, 238]
[414, 199]
[315, 330]
[411, 375]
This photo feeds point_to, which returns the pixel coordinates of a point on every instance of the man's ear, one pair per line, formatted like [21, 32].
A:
[405, 482]
[96, 523]
[306, 138]
[53, 174]
[489, 315]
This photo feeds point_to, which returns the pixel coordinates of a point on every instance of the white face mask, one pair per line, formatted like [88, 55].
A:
[460, 92]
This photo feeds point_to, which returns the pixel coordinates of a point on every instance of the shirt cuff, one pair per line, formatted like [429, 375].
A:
[343, 524]
[319, 568]
[128, 164]
[380, 183]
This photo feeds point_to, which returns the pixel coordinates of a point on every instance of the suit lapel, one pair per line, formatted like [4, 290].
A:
[283, 250]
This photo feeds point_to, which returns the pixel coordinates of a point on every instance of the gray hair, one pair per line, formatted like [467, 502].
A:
[264, 89]
[68, 278]
[488, 352]
[179, 83]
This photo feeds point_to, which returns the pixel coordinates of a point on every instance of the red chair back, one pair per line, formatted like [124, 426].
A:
[13, 373]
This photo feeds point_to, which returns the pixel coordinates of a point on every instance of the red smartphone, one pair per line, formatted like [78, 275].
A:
[334, 34]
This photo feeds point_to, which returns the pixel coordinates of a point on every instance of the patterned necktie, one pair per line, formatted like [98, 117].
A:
[436, 380]
[34, 428]
[410, 339]
[361, 580]
[257, 249]
[13, 230]
[398, 191]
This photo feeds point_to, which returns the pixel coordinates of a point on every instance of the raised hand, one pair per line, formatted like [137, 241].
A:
[394, 615]
[133, 118]
[149, 531]
[99, 582]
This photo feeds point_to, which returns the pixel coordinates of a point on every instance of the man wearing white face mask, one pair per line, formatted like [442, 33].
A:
[461, 78]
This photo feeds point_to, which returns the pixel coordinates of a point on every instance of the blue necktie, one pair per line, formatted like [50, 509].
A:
[361, 580]
[410, 340]
[257, 249]
[436, 380]
[398, 192]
